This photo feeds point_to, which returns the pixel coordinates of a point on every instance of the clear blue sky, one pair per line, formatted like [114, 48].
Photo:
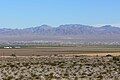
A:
[31, 13]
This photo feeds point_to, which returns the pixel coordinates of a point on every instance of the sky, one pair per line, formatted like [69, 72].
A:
[32, 13]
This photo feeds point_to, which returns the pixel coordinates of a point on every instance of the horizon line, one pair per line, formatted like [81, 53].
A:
[92, 25]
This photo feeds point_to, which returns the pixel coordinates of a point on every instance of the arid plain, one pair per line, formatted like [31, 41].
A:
[60, 63]
[74, 50]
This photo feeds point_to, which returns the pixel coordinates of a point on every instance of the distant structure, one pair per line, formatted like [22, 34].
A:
[8, 47]
[17, 47]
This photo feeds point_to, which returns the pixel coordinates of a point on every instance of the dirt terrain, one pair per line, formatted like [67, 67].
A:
[60, 68]
[42, 51]
[60, 63]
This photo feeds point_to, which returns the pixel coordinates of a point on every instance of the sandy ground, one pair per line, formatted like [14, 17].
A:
[67, 51]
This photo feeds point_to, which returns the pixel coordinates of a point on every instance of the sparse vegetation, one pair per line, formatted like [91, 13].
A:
[60, 67]
[60, 63]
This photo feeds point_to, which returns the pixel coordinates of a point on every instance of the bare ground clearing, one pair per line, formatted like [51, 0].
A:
[68, 51]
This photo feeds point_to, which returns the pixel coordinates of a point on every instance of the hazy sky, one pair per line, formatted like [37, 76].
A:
[31, 13]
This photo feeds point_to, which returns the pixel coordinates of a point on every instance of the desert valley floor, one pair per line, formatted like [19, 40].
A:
[60, 63]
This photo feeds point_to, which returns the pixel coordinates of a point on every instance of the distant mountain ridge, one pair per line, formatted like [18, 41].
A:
[62, 30]
[67, 34]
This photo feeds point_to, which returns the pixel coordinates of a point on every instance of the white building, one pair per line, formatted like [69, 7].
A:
[7, 47]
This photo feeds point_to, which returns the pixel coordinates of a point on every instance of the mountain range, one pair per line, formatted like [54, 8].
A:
[67, 31]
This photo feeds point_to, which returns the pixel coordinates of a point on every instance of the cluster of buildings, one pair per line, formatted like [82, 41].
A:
[10, 47]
